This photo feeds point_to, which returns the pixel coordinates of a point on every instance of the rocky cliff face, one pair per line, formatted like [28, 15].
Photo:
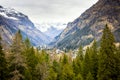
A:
[11, 21]
[89, 26]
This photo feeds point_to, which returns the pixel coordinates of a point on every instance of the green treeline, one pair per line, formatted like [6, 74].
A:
[26, 63]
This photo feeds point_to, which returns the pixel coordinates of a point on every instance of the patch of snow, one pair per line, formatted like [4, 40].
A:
[11, 10]
[3, 14]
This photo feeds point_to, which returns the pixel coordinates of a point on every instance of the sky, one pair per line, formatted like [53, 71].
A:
[50, 11]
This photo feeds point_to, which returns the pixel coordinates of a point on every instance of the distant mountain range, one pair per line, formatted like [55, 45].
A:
[51, 29]
[89, 26]
[11, 21]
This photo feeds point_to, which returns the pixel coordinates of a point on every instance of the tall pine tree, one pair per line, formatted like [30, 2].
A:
[86, 64]
[31, 60]
[106, 69]
[94, 60]
[18, 61]
[78, 63]
[67, 70]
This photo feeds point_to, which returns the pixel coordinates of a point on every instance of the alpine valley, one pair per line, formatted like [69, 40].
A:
[86, 49]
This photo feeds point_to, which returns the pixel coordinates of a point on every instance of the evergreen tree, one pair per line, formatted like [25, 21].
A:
[64, 60]
[86, 64]
[17, 45]
[27, 43]
[31, 61]
[27, 51]
[90, 62]
[107, 69]
[56, 66]
[75, 67]
[57, 69]
[3, 64]
[80, 53]
[66, 69]
[31, 58]
[94, 60]
[67, 73]
[42, 68]
[78, 62]
[18, 61]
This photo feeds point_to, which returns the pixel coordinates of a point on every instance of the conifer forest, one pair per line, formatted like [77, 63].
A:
[21, 61]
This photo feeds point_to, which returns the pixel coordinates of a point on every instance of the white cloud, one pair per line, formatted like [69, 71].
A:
[50, 10]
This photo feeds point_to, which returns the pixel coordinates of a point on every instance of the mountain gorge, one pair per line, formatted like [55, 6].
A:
[90, 24]
[11, 21]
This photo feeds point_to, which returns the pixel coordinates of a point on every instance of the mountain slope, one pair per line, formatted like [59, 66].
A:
[11, 21]
[53, 32]
[89, 26]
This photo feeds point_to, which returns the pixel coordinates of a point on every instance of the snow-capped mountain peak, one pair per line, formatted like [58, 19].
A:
[11, 13]
[51, 29]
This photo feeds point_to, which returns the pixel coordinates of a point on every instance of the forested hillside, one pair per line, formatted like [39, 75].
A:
[22, 61]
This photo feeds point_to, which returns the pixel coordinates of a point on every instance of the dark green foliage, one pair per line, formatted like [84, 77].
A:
[107, 61]
[28, 75]
[27, 43]
[94, 60]
[80, 54]
[31, 61]
[78, 62]
[64, 60]
[3, 64]
[57, 69]
[90, 62]
[67, 73]
[86, 64]
[56, 66]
